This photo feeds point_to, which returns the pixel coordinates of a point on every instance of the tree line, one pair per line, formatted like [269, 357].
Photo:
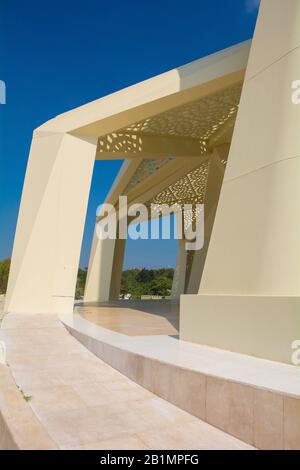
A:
[136, 282]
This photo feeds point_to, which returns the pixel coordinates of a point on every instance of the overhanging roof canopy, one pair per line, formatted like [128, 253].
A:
[178, 115]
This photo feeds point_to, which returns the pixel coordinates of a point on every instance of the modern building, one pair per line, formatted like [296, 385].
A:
[222, 131]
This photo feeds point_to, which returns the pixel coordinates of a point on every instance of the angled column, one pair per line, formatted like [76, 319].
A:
[117, 268]
[50, 224]
[105, 270]
[178, 283]
[214, 183]
[249, 295]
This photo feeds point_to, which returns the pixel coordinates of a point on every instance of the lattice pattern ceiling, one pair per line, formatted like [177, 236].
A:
[145, 169]
[120, 142]
[198, 120]
[189, 189]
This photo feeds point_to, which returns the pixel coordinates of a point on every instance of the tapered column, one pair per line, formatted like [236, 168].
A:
[250, 288]
[178, 284]
[98, 280]
[255, 246]
[214, 183]
[50, 224]
[117, 268]
[105, 270]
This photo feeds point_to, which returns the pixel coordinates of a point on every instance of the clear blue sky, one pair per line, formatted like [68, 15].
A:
[55, 56]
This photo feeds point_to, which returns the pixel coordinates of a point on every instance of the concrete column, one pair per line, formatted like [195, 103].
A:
[105, 270]
[117, 269]
[50, 224]
[250, 288]
[97, 288]
[178, 284]
[211, 199]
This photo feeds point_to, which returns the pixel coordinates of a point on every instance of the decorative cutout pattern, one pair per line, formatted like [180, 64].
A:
[120, 142]
[189, 189]
[190, 217]
[134, 143]
[147, 168]
[198, 120]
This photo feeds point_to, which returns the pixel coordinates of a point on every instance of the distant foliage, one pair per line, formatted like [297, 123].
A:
[138, 282]
[4, 272]
[80, 285]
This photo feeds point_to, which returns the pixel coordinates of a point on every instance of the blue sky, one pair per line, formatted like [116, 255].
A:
[57, 55]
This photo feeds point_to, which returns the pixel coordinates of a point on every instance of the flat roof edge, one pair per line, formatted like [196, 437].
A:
[187, 76]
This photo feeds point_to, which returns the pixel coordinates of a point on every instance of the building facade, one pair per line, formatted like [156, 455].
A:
[222, 131]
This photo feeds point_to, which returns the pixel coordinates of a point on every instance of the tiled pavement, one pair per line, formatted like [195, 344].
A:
[85, 404]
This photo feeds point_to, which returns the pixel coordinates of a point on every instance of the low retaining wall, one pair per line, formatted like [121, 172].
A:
[263, 418]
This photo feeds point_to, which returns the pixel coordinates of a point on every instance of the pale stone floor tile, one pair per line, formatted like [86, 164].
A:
[36, 378]
[123, 443]
[80, 373]
[11, 398]
[138, 319]
[27, 431]
[24, 321]
[23, 360]
[193, 436]
[158, 412]
[122, 384]
[59, 398]
[84, 403]
[62, 376]
[79, 427]
[94, 424]
[95, 393]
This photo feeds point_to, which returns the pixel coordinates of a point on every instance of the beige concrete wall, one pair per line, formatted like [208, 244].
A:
[255, 245]
[255, 242]
[50, 224]
[263, 326]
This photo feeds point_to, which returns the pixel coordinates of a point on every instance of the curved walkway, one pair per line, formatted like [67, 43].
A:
[82, 403]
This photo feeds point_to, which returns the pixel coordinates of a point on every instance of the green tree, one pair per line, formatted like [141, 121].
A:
[145, 275]
[138, 282]
[161, 286]
[80, 285]
[4, 272]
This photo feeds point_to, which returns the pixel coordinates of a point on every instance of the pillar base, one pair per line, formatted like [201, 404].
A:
[260, 326]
